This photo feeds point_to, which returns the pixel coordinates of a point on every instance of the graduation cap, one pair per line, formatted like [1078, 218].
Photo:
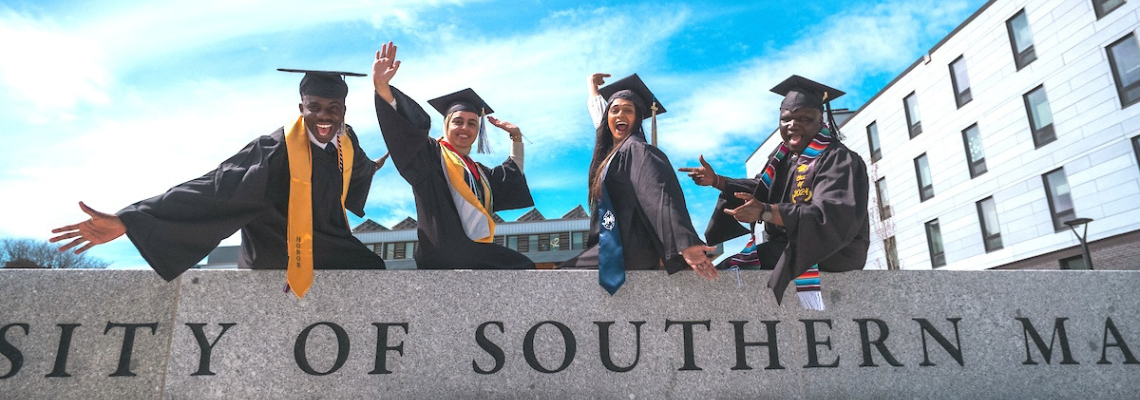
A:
[633, 89]
[800, 92]
[327, 84]
[465, 100]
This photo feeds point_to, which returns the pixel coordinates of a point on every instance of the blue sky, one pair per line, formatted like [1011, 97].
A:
[113, 102]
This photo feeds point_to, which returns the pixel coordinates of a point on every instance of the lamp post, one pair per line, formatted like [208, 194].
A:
[1073, 224]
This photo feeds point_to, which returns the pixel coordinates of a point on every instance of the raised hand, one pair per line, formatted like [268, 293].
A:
[514, 131]
[702, 175]
[384, 69]
[596, 80]
[697, 259]
[749, 211]
[101, 228]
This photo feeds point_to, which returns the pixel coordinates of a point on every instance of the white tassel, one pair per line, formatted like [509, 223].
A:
[811, 300]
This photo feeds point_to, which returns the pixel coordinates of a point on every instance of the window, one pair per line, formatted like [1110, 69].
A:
[389, 251]
[934, 242]
[873, 141]
[1124, 57]
[513, 243]
[1021, 39]
[578, 239]
[961, 81]
[1040, 116]
[913, 120]
[892, 253]
[1136, 149]
[1103, 7]
[925, 182]
[1060, 198]
[975, 154]
[533, 243]
[991, 229]
[409, 249]
[884, 199]
[1074, 262]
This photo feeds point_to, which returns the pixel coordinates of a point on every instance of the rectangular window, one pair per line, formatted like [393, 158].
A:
[1060, 198]
[389, 251]
[513, 243]
[873, 141]
[533, 243]
[1136, 149]
[1103, 7]
[975, 154]
[544, 242]
[913, 120]
[925, 182]
[1074, 262]
[1040, 116]
[1124, 57]
[1021, 39]
[961, 81]
[892, 253]
[579, 240]
[991, 228]
[409, 249]
[884, 199]
[934, 243]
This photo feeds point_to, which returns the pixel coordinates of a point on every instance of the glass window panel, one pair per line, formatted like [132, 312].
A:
[913, 119]
[1125, 58]
[533, 241]
[1075, 262]
[578, 240]
[961, 81]
[1039, 108]
[1022, 37]
[892, 253]
[884, 198]
[934, 241]
[1103, 7]
[873, 141]
[975, 153]
[513, 242]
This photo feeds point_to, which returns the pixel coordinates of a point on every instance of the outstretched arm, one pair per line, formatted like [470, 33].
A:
[100, 228]
[595, 103]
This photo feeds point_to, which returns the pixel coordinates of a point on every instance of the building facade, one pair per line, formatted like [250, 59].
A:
[1024, 118]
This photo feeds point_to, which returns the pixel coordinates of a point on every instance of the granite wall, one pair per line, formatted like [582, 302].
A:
[556, 334]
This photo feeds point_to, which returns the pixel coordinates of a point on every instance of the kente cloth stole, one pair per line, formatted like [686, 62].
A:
[807, 284]
[470, 192]
[299, 231]
[611, 256]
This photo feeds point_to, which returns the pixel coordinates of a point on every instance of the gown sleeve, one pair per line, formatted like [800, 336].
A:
[405, 131]
[660, 198]
[177, 229]
[829, 221]
[508, 185]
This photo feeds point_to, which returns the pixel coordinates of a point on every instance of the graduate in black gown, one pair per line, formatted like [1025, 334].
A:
[251, 191]
[634, 191]
[811, 196]
[455, 196]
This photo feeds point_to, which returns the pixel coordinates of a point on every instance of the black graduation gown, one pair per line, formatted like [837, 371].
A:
[250, 191]
[443, 244]
[831, 229]
[650, 210]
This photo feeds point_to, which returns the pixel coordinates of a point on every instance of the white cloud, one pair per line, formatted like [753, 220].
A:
[733, 112]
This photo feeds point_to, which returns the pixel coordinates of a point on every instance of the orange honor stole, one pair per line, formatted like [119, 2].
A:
[299, 231]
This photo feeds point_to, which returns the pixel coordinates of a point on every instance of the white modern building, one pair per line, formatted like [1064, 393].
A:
[1024, 118]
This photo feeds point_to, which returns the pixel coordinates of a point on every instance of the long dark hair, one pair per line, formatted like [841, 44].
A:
[604, 146]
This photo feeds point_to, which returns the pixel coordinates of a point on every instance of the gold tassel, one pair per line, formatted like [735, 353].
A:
[654, 123]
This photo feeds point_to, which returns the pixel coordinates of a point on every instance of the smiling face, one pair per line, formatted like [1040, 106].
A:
[799, 127]
[323, 116]
[623, 114]
[462, 129]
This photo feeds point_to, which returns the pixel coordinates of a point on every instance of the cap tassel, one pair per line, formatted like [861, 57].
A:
[484, 147]
[653, 114]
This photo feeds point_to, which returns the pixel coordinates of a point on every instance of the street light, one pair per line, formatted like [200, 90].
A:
[1073, 224]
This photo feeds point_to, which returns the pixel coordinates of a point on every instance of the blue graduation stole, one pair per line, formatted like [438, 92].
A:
[611, 258]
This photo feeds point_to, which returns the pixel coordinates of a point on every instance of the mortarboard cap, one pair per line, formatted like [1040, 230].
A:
[463, 100]
[327, 84]
[634, 85]
[802, 92]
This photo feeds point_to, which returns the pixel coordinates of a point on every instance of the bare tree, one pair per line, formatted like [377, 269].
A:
[882, 224]
[30, 253]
